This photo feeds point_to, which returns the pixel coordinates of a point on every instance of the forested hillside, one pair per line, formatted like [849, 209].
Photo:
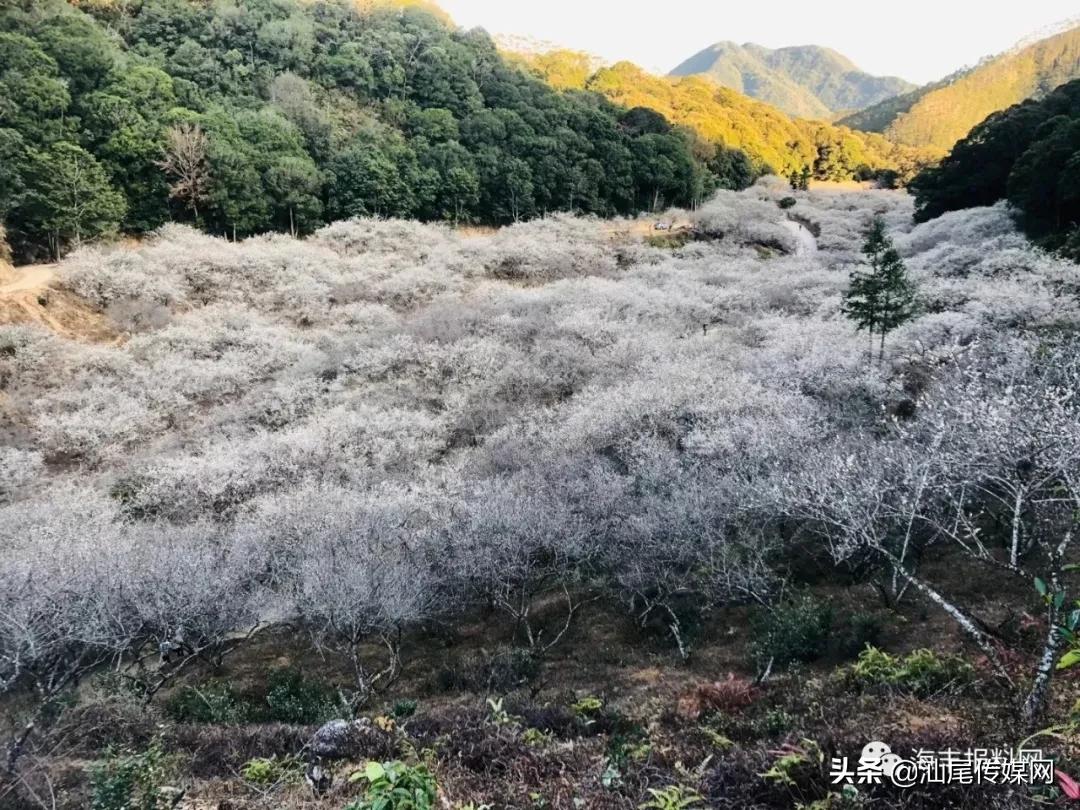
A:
[942, 113]
[774, 141]
[244, 117]
[878, 117]
[806, 81]
[1028, 154]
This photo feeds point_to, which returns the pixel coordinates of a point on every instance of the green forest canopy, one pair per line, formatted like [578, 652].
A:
[259, 115]
[1028, 154]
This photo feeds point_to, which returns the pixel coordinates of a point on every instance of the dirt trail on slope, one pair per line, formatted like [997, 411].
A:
[31, 277]
[29, 298]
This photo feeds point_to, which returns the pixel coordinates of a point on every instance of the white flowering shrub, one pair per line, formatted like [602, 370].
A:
[742, 219]
[399, 239]
[391, 420]
[973, 226]
[543, 250]
[17, 469]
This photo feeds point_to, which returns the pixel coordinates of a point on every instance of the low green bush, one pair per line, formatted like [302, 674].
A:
[588, 707]
[265, 771]
[628, 745]
[795, 764]
[786, 202]
[292, 698]
[671, 240]
[794, 631]
[395, 786]
[776, 722]
[404, 708]
[127, 781]
[673, 797]
[921, 673]
[212, 702]
[535, 737]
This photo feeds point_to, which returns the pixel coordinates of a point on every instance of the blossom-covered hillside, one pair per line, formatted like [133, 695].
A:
[388, 426]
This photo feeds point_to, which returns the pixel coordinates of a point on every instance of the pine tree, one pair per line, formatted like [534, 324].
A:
[880, 296]
[897, 296]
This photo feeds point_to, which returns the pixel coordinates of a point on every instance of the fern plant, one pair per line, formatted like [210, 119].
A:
[673, 797]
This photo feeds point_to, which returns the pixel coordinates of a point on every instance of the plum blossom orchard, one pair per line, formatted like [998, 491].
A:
[390, 423]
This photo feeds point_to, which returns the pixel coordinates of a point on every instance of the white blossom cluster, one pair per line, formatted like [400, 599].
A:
[390, 422]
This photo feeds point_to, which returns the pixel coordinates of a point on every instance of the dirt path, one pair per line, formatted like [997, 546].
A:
[29, 298]
[30, 278]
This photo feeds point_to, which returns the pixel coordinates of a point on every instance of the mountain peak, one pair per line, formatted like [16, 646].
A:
[809, 81]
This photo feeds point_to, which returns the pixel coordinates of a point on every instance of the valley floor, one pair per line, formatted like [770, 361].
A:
[571, 514]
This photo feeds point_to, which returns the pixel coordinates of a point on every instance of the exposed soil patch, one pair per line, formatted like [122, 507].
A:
[29, 297]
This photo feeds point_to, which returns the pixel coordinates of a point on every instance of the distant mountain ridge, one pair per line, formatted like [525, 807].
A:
[773, 140]
[807, 81]
[940, 114]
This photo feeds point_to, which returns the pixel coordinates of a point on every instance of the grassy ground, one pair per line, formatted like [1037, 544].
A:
[609, 714]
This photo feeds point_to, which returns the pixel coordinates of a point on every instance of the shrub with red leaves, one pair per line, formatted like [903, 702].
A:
[729, 696]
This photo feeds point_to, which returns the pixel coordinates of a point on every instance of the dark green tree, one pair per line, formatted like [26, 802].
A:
[453, 172]
[376, 175]
[69, 197]
[236, 204]
[732, 168]
[83, 51]
[124, 127]
[294, 185]
[1043, 182]
[320, 109]
[880, 296]
[14, 161]
[800, 180]
[977, 170]
[663, 171]
[33, 95]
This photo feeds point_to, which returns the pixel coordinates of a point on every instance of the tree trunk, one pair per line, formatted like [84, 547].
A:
[966, 624]
[1044, 673]
[1014, 551]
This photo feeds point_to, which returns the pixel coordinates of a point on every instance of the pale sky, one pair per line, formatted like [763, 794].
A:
[919, 40]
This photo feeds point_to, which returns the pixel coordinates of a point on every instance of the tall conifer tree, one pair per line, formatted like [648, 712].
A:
[880, 296]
